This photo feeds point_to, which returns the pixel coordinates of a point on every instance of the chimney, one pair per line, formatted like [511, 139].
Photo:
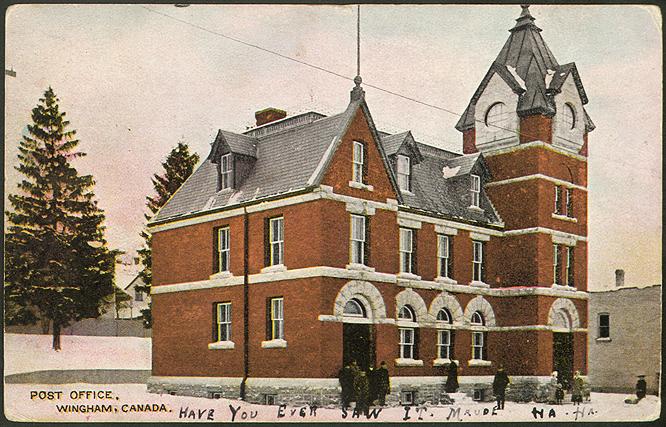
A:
[268, 115]
[619, 278]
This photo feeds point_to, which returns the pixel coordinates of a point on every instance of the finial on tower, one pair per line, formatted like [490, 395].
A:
[525, 19]
[358, 92]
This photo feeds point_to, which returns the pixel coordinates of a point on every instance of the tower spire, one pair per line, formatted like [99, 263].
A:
[358, 92]
[525, 19]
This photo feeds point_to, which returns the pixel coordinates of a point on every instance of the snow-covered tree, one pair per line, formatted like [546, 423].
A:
[178, 166]
[57, 264]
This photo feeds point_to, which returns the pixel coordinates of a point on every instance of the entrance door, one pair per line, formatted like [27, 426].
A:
[358, 344]
[563, 357]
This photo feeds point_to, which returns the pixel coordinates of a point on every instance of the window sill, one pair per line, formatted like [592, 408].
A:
[604, 339]
[475, 208]
[442, 362]
[407, 276]
[476, 362]
[221, 275]
[225, 190]
[479, 284]
[277, 268]
[359, 267]
[221, 345]
[564, 217]
[407, 192]
[408, 362]
[446, 280]
[563, 287]
[278, 343]
[361, 186]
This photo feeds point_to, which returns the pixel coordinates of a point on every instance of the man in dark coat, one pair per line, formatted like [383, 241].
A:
[641, 387]
[362, 391]
[347, 384]
[382, 383]
[499, 386]
[372, 385]
[452, 378]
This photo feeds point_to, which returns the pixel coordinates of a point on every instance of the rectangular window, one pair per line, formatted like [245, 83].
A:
[444, 256]
[407, 397]
[226, 171]
[570, 210]
[479, 394]
[604, 325]
[358, 162]
[477, 263]
[558, 200]
[557, 263]
[476, 190]
[223, 321]
[223, 249]
[276, 240]
[357, 240]
[443, 344]
[570, 266]
[270, 399]
[406, 250]
[277, 318]
[404, 172]
[406, 343]
[478, 346]
[138, 295]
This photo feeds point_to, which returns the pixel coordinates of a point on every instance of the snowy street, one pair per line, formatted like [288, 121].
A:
[132, 402]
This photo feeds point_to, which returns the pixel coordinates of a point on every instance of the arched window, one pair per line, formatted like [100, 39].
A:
[406, 313]
[496, 116]
[477, 319]
[569, 116]
[444, 315]
[354, 308]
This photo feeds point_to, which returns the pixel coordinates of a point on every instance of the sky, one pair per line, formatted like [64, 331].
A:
[134, 82]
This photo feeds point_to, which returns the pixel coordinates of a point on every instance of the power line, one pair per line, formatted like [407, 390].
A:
[317, 67]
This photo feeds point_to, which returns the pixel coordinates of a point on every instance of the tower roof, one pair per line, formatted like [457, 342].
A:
[529, 67]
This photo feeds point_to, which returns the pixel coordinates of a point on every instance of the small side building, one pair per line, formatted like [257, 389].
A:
[624, 337]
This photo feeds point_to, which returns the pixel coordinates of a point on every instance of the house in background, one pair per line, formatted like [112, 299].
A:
[625, 337]
[129, 300]
[323, 239]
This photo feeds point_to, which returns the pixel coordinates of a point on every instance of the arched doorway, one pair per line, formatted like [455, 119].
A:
[563, 317]
[358, 334]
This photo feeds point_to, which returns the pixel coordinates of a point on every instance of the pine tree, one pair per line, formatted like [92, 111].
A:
[57, 265]
[178, 166]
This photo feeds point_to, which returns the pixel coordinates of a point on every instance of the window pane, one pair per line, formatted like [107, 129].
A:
[405, 240]
[403, 164]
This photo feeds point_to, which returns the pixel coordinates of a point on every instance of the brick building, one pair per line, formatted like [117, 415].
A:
[309, 241]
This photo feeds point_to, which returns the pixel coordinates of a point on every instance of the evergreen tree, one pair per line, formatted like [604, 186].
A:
[178, 166]
[57, 265]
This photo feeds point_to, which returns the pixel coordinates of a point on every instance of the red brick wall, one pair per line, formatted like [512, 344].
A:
[469, 141]
[536, 128]
[339, 172]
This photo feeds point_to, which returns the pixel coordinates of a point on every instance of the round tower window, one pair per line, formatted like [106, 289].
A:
[569, 116]
[496, 116]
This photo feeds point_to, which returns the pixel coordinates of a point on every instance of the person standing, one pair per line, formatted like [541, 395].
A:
[383, 382]
[346, 377]
[372, 381]
[361, 389]
[577, 390]
[499, 386]
[552, 388]
[641, 387]
[451, 385]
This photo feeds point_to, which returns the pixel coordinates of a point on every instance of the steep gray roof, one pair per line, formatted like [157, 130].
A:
[433, 192]
[296, 158]
[526, 63]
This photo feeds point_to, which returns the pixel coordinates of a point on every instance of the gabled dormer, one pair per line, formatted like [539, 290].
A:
[235, 156]
[403, 154]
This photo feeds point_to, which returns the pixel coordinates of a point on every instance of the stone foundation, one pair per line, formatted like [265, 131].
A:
[325, 392]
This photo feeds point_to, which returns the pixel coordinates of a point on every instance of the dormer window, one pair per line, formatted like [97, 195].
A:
[475, 190]
[569, 116]
[358, 161]
[226, 171]
[404, 172]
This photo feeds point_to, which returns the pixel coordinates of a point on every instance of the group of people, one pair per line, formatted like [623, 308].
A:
[364, 388]
[578, 386]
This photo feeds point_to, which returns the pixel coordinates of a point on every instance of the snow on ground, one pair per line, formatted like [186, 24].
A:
[28, 353]
[122, 401]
